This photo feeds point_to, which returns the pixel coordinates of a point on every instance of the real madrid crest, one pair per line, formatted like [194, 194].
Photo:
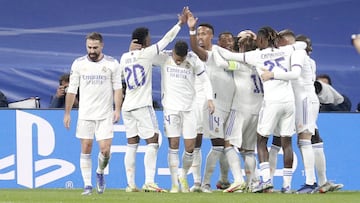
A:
[104, 69]
[187, 66]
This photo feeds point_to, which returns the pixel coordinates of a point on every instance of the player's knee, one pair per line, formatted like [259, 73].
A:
[276, 141]
[133, 140]
[218, 142]
[174, 143]
[316, 138]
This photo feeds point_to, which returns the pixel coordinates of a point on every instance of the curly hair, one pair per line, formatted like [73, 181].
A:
[270, 34]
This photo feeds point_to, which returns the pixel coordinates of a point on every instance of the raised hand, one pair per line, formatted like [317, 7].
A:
[183, 16]
[191, 20]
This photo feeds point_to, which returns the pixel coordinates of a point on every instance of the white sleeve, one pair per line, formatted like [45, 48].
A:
[230, 65]
[297, 61]
[329, 95]
[159, 59]
[204, 79]
[231, 56]
[169, 37]
[291, 75]
[74, 80]
[200, 68]
[218, 59]
[116, 76]
[298, 45]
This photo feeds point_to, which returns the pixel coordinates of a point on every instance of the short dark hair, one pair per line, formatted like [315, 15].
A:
[140, 34]
[64, 77]
[95, 36]
[225, 33]
[208, 26]
[286, 32]
[181, 48]
[326, 76]
[307, 40]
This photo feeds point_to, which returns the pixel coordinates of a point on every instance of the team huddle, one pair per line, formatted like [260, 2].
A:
[239, 91]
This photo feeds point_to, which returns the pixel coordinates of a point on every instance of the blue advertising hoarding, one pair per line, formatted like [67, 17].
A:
[36, 151]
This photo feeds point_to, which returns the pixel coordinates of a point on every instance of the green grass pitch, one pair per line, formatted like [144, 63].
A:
[113, 195]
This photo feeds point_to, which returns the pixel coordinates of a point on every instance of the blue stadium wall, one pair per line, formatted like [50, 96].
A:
[36, 151]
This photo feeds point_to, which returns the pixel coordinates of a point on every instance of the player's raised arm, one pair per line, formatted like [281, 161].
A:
[232, 56]
[171, 34]
[231, 65]
[201, 52]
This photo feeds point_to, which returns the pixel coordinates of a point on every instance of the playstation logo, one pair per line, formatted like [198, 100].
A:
[35, 138]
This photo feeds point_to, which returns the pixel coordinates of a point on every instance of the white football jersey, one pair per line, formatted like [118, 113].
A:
[305, 83]
[222, 81]
[306, 101]
[137, 67]
[313, 67]
[274, 60]
[178, 81]
[199, 88]
[96, 82]
[249, 90]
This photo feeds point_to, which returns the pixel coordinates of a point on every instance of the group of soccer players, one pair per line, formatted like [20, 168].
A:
[240, 92]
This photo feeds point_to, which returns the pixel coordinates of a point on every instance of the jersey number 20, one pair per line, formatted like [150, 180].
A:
[135, 76]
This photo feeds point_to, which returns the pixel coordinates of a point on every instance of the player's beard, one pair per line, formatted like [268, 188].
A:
[93, 56]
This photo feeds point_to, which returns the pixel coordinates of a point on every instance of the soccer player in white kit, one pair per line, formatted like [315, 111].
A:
[278, 110]
[307, 108]
[200, 100]
[302, 76]
[178, 72]
[246, 103]
[246, 106]
[138, 113]
[225, 40]
[327, 94]
[98, 78]
[223, 88]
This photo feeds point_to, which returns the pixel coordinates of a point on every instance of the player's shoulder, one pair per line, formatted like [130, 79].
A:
[110, 59]
[81, 58]
[299, 52]
[312, 61]
[215, 47]
[194, 60]
[127, 54]
[166, 52]
[193, 57]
